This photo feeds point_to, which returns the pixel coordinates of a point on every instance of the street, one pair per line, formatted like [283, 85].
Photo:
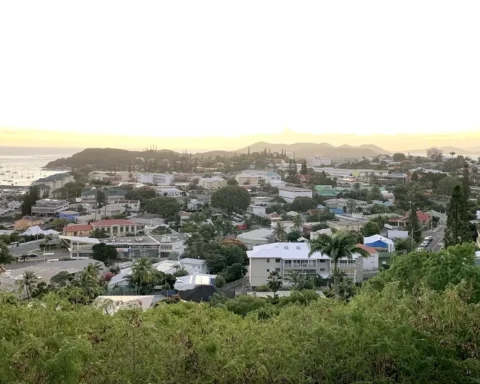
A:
[437, 242]
[50, 254]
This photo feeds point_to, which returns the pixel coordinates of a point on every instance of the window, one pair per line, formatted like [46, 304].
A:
[322, 261]
[277, 269]
[285, 247]
[277, 260]
[298, 247]
[268, 270]
[322, 269]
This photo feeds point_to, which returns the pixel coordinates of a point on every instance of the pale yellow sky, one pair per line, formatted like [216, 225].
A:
[72, 71]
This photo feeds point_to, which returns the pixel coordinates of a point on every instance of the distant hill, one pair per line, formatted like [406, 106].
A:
[113, 158]
[306, 150]
[447, 149]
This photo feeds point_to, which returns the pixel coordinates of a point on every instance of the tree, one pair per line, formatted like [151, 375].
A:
[5, 256]
[298, 222]
[457, 230]
[336, 247]
[303, 204]
[163, 206]
[29, 199]
[99, 233]
[371, 228]
[220, 281]
[231, 198]
[375, 193]
[445, 186]
[303, 169]
[398, 157]
[466, 182]
[27, 283]
[414, 226]
[293, 236]
[232, 181]
[105, 253]
[279, 232]
[274, 282]
[143, 274]
[234, 272]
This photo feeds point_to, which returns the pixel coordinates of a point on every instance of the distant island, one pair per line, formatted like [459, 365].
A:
[113, 158]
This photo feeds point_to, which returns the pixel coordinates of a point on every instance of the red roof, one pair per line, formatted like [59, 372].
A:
[422, 217]
[108, 223]
[77, 227]
[370, 250]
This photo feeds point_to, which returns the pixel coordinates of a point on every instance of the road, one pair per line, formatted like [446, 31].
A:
[57, 254]
[437, 242]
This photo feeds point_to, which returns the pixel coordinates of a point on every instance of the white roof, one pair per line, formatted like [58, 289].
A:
[188, 260]
[292, 213]
[285, 251]
[86, 240]
[374, 238]
[256, 234]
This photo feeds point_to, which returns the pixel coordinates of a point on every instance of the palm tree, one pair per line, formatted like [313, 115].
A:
[29, 279]
[336, 247]
[274, 282]
[143, 273]
[452, 153]
[279, 232]
[298, 222]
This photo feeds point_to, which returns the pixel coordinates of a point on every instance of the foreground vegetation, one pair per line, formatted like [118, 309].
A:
[417, 322]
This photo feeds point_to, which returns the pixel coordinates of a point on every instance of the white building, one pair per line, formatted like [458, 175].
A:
[155, 178]
[112, 176]
[52, 183]
[49, 207]
[168, 191]
[254, 177]
[194, 205]
[193, 266]
[257, 210]
[212, 183]
[112, 209]
[287, 257]
[291, 193]
[256, 237]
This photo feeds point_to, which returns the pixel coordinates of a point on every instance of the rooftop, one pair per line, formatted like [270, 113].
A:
[77, 227]
[286, 251]
[256, 234]
[294, 189]
[107, 223]
[51, 202]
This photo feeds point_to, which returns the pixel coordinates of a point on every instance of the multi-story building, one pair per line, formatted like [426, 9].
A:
[291, 193]
[50, 184]
[168, 191]
[116, 227]
[128, 247]
[112, 176]
[255, 177]
[212, 183]
[49, 207]
[285, 258]
[155, 178]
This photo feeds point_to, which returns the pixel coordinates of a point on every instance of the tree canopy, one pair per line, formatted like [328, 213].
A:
[163, 206]
[231, 198]
[303, 204]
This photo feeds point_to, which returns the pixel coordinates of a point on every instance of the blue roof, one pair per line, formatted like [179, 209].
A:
[337, 211]
[377, 244]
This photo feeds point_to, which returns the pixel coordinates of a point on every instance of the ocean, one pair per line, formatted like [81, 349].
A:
[20, 166]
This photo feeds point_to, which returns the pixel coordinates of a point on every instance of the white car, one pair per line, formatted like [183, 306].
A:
[424, 244]
[428, 238]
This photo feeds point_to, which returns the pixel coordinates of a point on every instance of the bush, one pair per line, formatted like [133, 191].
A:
[262, 288]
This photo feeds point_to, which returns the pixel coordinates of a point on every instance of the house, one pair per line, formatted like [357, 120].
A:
[274, 216]
[168, 191]
[292, 213]
[50, 207]
[285, 258]
[347, 225]
[50, 184]
[26, 222]
[193, 266]
[370, 264]
[291, 193]
[212, 183]
[256, 237]
[116, 227]
[112, 176]
[89, 195]
[396, 234]
[314, 235]
[155, 178]
[255, 177]
[184, 215]
[185, 283]
[79, 230]
[257, 210]
[380, 243]
[423, 219]
[194, 205]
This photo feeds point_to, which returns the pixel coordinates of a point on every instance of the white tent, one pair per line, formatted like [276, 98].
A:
[36, 230]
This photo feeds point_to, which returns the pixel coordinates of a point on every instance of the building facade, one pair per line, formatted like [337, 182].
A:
[50, 184]
[116, 227]
[284, 258]
[50, 207]
[212, 183]
[291, 193]
[155, 178]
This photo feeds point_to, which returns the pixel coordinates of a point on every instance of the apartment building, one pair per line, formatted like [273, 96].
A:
[112, 176]
[212, 183]
[48, 185]
[50, 207]
[168, 191]
[155, 178]
[116, 227]
[285, 258]
[291, 193]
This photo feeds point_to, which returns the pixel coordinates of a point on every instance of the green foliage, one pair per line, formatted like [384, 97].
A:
[220, 281]
[274, 281]
[141, 194]
[5, 256]
[163, 206]
[231, 198]
[303, 204]
[293, 236]
[371, 228]
[457, 230]
[29, 199]
[99, 233]
[105, 253]
[279, 232]
[414, 226]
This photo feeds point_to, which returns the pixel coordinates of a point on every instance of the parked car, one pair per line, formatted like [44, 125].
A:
[32, 255]
[428, 238]
[424, 244]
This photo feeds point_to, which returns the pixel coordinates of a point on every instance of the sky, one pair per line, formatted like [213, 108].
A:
[170, 72]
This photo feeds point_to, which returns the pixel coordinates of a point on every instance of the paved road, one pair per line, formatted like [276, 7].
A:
[57, 254]
[437, 242]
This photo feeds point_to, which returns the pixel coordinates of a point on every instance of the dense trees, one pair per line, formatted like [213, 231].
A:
[413, 226]
[231, 198]
[163, 206]
[5, 256]
[29, 199]
[105, 253]
[371, 228]
[303, 204]
[457, 230]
